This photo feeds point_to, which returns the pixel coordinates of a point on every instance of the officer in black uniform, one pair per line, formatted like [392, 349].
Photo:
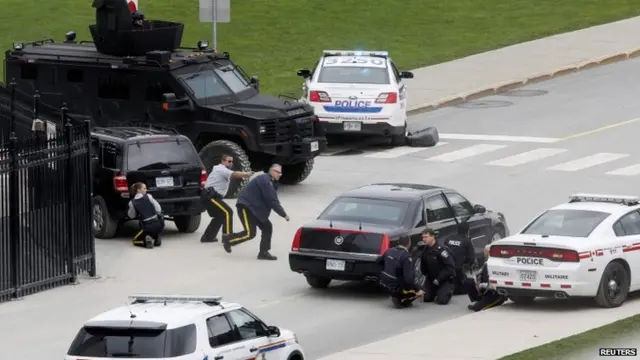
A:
[396, 274]
[138, 19]
[149, 214]
[438, 267]
[463, 254]
[482, 296]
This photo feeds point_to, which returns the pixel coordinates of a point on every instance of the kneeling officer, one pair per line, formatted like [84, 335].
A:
[463, 253]
[438, 267]
[396, 274]
[479, 291]
[149, 213]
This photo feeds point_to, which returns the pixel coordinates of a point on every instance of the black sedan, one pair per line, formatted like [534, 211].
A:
[344, 242]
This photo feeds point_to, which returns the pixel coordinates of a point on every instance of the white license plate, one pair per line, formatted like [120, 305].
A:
[335, 265]
[528, 275]
[164, 181]
[352, 126]
[315, 146]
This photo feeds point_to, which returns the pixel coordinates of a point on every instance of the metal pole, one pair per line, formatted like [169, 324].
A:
[12, 109]
[214, 5]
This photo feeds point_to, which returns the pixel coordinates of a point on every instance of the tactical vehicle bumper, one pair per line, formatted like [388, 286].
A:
[297, 151]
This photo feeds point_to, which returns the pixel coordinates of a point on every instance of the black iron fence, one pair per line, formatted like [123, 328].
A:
[46, 237]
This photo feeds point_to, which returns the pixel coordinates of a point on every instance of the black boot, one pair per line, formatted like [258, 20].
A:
[226, 243]
[148, 242]
[158, 241]
[471, 307]
[265, 255]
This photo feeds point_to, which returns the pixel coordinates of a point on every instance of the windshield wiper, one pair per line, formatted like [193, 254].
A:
[124, 355]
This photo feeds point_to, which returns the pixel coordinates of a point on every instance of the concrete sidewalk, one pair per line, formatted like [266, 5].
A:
[500, 70]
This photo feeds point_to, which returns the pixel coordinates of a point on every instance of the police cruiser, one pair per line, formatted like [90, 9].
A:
[587, 247]
[358, 92]
[185, 328]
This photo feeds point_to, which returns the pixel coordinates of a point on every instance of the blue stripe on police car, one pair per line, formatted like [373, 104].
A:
[353, 106]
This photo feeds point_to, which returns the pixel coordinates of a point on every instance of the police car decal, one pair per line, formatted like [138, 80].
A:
[353, 106]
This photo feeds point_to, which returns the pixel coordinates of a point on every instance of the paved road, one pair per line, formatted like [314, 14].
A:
[345, 316]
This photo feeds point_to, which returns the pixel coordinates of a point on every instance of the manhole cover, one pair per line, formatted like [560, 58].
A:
[524, 93]
[483, 104]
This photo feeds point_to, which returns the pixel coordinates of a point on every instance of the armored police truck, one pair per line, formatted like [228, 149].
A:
[135, 74]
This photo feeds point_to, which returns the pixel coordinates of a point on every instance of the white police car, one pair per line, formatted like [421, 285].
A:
[358, 92]
[182, 327]
[587, 247]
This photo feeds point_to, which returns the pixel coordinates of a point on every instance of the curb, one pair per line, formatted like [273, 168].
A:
[511, 85]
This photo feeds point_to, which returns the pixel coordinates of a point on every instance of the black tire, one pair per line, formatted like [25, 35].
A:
[608, 298]
[296, 173]
[522, 300]
[187, 223]
[318, 282]
[104, 226]
[400, 140]
[211, 153]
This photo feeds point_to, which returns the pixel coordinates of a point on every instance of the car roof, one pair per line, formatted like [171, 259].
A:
[393, 191]
[174, 314]
[134, 133]
[611, 208]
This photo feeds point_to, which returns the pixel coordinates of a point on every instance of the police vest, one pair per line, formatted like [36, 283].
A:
[144, 207]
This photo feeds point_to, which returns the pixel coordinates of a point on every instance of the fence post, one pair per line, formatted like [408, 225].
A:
[89, 180]
[12, 116]
[71, 236]
[14, 216]
[36, 104]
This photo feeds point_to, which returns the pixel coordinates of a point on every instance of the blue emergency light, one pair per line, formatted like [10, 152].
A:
[355, 53]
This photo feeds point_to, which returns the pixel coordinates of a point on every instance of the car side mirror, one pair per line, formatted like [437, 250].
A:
[273, 331]
[304, 73]
[172, 103]
[479, 209]
[255, 82]
[406, 75]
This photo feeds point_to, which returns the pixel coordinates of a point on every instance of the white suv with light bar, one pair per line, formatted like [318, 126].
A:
[182, 327]
[587, 247]
[358, 93]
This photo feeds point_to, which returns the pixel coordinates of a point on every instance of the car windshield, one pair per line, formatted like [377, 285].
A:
[354, 75]
[574, 223]
[373, 211]
[161, 155]
[205, 84]
[234, 78]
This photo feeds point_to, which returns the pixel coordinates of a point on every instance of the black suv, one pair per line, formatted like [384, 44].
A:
[166, 162]
[137, 77]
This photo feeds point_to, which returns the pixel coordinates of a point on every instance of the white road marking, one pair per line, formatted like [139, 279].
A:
[400, 151]
[632, 170]
[466, 152]
[505, 138]
[588, 161]
[528, 156]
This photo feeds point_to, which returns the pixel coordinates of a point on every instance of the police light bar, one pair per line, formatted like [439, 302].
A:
[616, 199]
[354, 53]
[175, 298]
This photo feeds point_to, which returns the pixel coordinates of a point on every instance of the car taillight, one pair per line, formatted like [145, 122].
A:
[385, 244]
[120, 183]
[387, 98]
[203, 178]
[319, 96]
[295, 245]
[559, 255]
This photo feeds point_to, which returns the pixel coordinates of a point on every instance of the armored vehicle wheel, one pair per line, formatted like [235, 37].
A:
[211, 154]
[187, 223]
[296, 173]
[104, 226]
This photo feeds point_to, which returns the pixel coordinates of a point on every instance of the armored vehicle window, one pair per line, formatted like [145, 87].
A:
[234, 79]
[155, 89]
[28, 72]
[204, 84]
[75, 76]
[114, 87]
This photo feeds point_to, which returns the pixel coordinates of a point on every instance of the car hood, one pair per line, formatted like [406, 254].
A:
[264, 107]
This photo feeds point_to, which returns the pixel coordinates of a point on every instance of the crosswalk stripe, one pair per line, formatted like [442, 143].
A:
[632, 170]
[466, 152]
[400, 151]
[527, 156]
[588, 161]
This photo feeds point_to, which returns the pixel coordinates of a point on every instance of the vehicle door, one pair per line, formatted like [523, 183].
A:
[307, 83]
[224, 341]
[479, 224]
[419, 223]
[402, 89]
[255, 335]
[440, 217]
[627, 231]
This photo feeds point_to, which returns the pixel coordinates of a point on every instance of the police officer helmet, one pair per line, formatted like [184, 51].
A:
[463, 228]
[137, 15]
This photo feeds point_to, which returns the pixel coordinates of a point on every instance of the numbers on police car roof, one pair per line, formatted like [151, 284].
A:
[352, 60]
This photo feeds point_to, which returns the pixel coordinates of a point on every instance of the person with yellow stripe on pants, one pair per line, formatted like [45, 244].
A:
[397, 274]
[215, 189]
[480, 294]
[254, 206]
[149, 214]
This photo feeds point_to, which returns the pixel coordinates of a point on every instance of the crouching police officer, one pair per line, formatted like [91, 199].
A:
[438, 267]
[396, 274]
[463, 253]
[149, 213]
[479, 291]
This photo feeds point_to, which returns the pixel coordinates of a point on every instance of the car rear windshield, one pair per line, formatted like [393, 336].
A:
[161, 155]
[576, 223]
[373, 211]
[353, 75]
[134, 343]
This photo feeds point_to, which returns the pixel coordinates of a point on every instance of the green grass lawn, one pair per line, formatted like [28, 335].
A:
[274, 38]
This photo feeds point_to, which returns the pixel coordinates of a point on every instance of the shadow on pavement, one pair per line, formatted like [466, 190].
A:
[350, 290]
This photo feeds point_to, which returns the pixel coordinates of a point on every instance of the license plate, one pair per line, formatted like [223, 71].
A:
[315, 146]
[352, 126]
[335, 265]
[528, 275]
[164, 181]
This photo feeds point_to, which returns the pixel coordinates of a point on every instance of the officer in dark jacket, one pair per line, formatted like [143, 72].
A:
[149, 214]
[479, 291]
[254, 206]
[438, 267]
[396, 274]
[463, 254]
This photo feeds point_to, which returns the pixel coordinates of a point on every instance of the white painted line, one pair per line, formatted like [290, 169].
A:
[466, 152]
[528, 156]
[400, 151]
[632, 170]
[588, 161]
[505, 138]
